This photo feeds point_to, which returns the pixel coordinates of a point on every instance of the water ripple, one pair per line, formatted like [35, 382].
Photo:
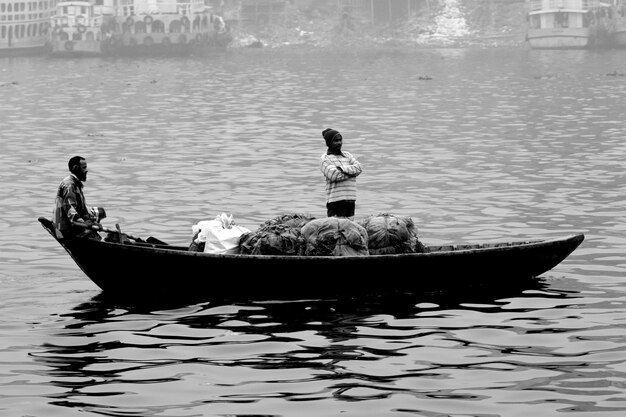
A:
[496, 144]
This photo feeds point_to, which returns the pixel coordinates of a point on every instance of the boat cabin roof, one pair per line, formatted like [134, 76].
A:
[73, 3]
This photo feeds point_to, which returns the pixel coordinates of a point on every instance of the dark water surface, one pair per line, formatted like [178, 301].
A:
[474, 145]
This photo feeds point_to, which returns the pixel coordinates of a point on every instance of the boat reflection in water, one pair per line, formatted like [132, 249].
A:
[107, 352]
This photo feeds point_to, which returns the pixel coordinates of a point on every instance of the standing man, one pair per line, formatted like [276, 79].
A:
[70, 208]
[340, 169]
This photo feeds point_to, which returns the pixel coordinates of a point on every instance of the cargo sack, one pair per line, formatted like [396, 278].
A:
[389, 234]
[277, 236]
[221, 235]
[334, 236]
[277, 239]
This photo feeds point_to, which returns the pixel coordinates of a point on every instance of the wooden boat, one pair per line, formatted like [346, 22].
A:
[568, 24]
[75, 30]
[149, 269]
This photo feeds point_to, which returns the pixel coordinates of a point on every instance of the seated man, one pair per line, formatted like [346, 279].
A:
[71, 216]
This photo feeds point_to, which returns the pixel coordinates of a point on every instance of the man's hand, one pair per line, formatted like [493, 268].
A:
[87, 224]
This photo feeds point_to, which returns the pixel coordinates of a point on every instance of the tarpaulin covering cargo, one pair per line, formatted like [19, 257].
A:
[389, 234]
[334, 236]
[277, 236]
[295, 220]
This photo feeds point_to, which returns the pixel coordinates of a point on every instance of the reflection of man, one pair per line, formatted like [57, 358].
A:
[70, 210]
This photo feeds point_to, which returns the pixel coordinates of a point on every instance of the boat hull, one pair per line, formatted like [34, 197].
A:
[22, 51]
[163, 44]
[164, 33]
[618, 38]
[30, 45]
[150, 270]
[559, 38]
[75, 48]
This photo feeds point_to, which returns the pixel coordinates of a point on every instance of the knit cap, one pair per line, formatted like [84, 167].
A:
[328, 135]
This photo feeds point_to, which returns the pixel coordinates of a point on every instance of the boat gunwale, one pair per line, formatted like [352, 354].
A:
[574, 239]
[555, 10]
[455, 250]
[72, 3]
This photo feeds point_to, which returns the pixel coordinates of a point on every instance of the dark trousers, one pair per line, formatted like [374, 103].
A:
[82, 233]
[343, 208]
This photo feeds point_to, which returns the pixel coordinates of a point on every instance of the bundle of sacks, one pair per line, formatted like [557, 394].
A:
[298, 234]
[278, 236]
[301, 234]
[334, 236]
[389, 234]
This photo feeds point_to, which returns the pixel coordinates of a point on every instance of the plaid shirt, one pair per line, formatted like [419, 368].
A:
[340, 185]
[69, 204]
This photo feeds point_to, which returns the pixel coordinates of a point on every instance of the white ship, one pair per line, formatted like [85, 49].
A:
[562, 24]
[25, 25]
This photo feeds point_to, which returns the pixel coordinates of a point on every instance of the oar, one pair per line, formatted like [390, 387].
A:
[120, 235]
[99, 228]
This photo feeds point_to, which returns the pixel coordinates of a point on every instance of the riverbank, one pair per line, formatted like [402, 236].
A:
[450, 26]
[379, 37]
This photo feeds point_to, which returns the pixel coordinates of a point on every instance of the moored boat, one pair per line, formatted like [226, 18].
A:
[24, 26]
[567, 24]
[153, 269]
[164, 26]
[75, 30]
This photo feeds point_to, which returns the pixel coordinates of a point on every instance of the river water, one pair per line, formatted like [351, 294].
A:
[476, 145]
